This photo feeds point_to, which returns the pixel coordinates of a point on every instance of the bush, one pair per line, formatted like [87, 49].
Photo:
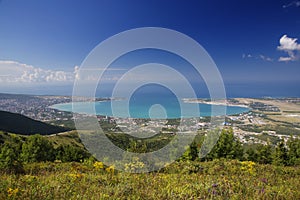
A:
[36, 149]
[228, 146]
[9, 159]
[68, 153]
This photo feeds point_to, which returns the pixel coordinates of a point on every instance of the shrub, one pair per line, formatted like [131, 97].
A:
[36, 149]
[9, 160]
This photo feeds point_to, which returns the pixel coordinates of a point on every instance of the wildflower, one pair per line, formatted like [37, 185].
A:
[215, 185]
[12, 192]
[248, 166]
[214, 192]
[30, 177]
[78, 175]
[98, 165]
[110, 169]
[264, 180]
[134, 166]
[105, 195]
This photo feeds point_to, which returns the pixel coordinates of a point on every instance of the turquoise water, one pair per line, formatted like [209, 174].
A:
[145, 109]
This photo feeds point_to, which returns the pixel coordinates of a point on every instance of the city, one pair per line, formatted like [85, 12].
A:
[269, 120]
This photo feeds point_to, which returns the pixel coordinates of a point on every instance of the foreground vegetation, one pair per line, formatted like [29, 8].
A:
[16, 150]
[58, 167]
[218, 179]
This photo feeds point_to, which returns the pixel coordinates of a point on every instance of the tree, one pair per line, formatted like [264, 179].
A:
[192, 151]
[280, 155]
[36, 148]
[293, 151]
[68, 153]
[260, 153]
[227, 146]
[187, 155]
[207, 144]
[137, 147]
[264, 154]
[250, 154]
[9, 159]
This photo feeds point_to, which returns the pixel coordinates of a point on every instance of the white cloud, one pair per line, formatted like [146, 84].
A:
[293, 3]
[15, 72]
[290, 46]
[262, 57]
[266, 58]
[12, 72]
[92, 74]
[285, 59]
[247, 56]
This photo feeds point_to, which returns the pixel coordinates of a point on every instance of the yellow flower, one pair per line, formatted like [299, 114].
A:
[105, 195]
[110, 169]
[98, 165]
[134, 166]
[30, 177]
[78, 175]
[12, 192]
[248, 166]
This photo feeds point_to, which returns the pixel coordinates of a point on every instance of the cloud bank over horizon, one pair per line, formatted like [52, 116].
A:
[13, 72]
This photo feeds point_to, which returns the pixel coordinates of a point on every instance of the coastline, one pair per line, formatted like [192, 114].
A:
[201, 101]
[103, 109]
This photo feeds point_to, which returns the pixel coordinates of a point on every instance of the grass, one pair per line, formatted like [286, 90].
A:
[265, 137]
[217, 179]
[286, 129]
[66, 138]
[288, 119]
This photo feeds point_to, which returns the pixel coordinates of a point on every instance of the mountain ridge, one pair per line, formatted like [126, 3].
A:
[20, 124]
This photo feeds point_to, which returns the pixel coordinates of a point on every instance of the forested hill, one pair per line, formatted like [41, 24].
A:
[20, 124]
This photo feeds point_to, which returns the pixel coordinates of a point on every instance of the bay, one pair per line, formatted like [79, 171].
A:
[148, 109]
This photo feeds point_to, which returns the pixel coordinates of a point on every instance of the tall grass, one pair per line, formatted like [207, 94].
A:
[218, 179]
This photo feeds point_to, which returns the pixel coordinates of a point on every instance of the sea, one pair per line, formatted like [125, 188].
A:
[140, 103]
[159, 102]
[155, 111]
[151, 103]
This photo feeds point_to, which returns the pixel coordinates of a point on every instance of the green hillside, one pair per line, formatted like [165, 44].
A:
[20, 124]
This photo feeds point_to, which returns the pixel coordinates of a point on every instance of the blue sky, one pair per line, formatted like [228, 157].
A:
[41, 42]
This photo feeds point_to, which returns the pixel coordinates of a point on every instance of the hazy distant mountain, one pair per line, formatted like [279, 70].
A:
[17, 123]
